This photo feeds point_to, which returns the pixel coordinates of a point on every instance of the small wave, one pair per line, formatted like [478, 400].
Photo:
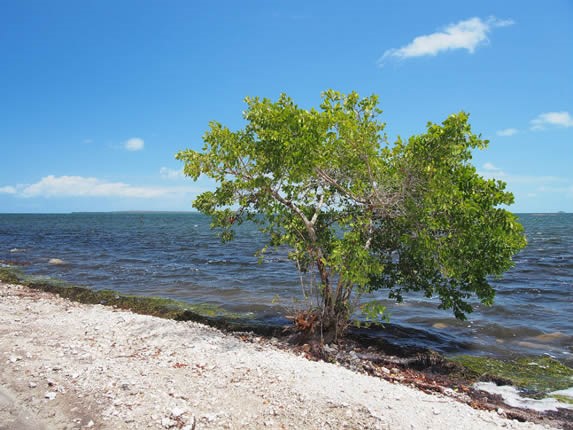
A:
[218, 261]
[130, 260]
[277, 260]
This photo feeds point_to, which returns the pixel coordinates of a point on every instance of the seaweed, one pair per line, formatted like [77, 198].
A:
[537, 376]
[148, 305]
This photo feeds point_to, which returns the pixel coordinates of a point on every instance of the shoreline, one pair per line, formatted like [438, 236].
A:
[72, 365]
[216, 315]
[182, 258]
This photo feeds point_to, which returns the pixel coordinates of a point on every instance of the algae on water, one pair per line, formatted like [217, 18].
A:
[9, 275]
[149, 305]
[536, 375]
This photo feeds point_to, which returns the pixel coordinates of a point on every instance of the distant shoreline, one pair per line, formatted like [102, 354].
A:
[197, 212]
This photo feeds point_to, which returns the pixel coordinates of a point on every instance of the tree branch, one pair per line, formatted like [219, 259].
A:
[317, 210]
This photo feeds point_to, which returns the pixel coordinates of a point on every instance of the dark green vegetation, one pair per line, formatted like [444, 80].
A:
[536, 375]
[156, 306]
[360, 214]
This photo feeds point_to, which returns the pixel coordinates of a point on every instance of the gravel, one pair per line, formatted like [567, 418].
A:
[65, 365]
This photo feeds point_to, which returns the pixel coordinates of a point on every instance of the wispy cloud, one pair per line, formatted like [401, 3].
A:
[167, 173]
[490, 167]
[468, 35]
[528, 187]
[134, 144]
[507, 132]
[8, 190]
[489, 170]
[549, 119]
[566, 190]
[81, 186]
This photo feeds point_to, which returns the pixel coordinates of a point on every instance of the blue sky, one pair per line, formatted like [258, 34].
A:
[96, 97]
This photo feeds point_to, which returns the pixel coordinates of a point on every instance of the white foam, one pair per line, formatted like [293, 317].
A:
[567, 393]
[512, 397]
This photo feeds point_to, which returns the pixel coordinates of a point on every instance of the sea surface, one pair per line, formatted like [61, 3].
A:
[176, 255]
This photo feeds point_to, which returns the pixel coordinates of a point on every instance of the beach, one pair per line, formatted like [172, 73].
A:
[67, 365]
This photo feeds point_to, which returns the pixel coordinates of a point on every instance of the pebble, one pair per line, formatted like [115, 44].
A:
[209, 417]
[168, 422]
[328, 349]
[177, 412]
[155, 393]
[56, 261]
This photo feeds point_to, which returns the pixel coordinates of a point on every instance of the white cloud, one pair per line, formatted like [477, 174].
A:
[491, 171]
[489, 166]
[566, 189]
[529, 187]
[559, 119]
[167, 173]
[8, 190]
[134, 144]
[507, 132]
[79, 186]
[468, 35]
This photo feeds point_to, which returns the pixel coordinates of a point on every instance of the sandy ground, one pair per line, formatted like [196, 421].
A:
[65, 365]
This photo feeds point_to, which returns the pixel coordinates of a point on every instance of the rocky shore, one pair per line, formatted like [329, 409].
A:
[66, 365]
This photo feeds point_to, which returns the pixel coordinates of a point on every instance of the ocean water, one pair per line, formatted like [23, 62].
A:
[178, 256]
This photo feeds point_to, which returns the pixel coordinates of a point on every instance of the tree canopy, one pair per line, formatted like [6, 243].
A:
[358, 212]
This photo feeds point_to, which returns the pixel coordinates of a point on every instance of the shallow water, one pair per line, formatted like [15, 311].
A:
[178, 256]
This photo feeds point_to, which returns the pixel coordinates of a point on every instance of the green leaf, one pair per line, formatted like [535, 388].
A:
[360, 214]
